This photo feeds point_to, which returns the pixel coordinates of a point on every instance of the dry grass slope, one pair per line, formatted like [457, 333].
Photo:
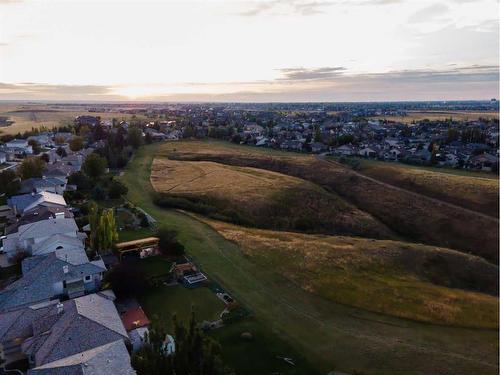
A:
[439, 115]
[419, 220]
[261, 198]
[396, 278]
[474, 193]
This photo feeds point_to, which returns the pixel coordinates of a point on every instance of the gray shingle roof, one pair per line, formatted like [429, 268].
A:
[112, 358]
[84, 324]
[42, 272]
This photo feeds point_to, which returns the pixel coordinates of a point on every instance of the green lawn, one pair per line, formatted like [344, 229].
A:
[165, 301]
[329, 335]
[135, 234]
[261, 354]
[154, 266]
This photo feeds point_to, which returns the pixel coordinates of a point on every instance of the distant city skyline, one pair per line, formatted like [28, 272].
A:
[261, 51]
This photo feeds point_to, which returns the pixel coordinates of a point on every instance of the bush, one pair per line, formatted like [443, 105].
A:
[127, 280]
[144, 220]
[98, 193]
[116, 189]
[81, 181]
[168, 243]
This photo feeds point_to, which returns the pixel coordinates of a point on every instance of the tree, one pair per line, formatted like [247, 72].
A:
[81, 180]
[168, 243]
[9, 183]
[59, 140]
[35, 146]
[195, 353]
[76, 144]
[31, 167]
[116, 189]
[94, 166]
[61, 152]
[134, 137]
[103, 233]
[127, 280]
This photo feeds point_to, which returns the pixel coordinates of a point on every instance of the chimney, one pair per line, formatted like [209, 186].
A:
[60, 308]
[65, 269]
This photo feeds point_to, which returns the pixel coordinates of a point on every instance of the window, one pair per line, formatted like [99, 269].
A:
[88, 278]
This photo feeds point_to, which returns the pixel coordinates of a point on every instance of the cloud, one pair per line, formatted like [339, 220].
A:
[298, 74]
[288, 7]
[28, 90]
[429, 13]
[295, 84]
[305, 7]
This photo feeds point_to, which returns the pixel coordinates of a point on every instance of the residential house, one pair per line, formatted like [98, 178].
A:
[38, 214]
[26, 202]
[344, 150]
[318, 147]
[367, 152]
[53, 331]
[18, 146]
[37, 185]
[136, 323]
[45, 236]
[112, 358]
[60, 274]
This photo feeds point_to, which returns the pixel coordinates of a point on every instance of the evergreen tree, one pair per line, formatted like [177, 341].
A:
[195, 353]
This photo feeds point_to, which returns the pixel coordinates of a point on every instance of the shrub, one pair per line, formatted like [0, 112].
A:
[127, 280]
[168, 244]
[116, 189]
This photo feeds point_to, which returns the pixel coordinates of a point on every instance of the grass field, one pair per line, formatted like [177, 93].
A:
[261, 198]
[440, 115]
[409, 280]
[27, 116]
[478, 192]
[166, 301]
[136, 234]
[416, 219]
[329, 335]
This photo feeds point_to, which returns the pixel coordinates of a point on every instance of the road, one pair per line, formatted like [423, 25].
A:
[322, 158]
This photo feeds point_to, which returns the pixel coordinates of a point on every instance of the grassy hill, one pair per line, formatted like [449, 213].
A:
[416, 218]
[258, 198]
[411, 281]
[478, 191]
[331, 336]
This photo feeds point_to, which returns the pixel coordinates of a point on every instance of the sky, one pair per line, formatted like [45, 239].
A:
[252, 51]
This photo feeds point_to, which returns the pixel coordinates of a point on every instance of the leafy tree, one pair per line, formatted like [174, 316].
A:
[31, 167]
[116, 189]
[103, 232]
[59, 140]
[168, 243]
[61, 152]
[94, 166]
[35, 146]
[195, 353]
[81, 180]
[76, 144]
[134, 137]
[317, 134]
[127, 280]
[9, 183]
